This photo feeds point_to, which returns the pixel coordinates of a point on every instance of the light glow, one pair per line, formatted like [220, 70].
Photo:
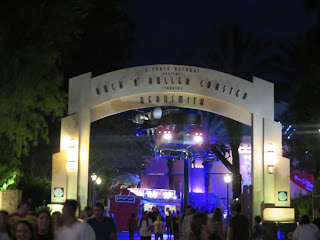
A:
[198, 139]
[167, 135]
[93, 177]
[271, 157]
[72, 155]
[227, 178]
[98, 181]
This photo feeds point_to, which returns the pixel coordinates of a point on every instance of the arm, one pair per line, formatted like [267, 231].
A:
[230, 234]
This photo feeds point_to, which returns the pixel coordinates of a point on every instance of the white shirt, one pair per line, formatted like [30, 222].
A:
[144, 232]
[306, 232]
[4, 236]
[78, 231]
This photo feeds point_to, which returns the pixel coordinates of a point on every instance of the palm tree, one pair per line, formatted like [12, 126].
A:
[243, 54]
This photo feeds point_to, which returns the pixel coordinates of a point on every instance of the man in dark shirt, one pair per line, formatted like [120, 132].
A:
[104, 227]
[238, 226]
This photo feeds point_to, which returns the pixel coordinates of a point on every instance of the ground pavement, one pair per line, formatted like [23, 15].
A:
[125, 236]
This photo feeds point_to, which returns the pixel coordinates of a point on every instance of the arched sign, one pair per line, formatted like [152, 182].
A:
[94, 98]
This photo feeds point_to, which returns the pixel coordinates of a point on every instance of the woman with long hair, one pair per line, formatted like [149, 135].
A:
[44, 226]
[24, 231]
[201, 227]
[218, 223]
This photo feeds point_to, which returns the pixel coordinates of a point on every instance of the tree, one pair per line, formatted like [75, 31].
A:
[31, 95]
[117, 152]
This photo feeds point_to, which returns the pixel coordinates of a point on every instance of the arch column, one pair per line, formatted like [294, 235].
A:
[257, 164]
[84, 142]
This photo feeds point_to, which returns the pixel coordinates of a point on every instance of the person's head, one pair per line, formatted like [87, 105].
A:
[237, 208]
[257, 219]
[304, 220]
[217, 215]
[188, 210]
[24, 231]
[154, 209]
[200, 225]
[178, 214]
[24, 206]
[57, 219]
[98, 210]
[133, 215]
[145, 214]
[69, 209]
[44, 222]
[4, 215]
[159, 217]
[88, 211]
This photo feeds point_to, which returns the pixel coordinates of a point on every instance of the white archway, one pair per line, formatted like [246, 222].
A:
[251, 103]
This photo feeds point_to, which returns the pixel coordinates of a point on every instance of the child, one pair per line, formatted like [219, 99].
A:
[158, 228]
[258, 229]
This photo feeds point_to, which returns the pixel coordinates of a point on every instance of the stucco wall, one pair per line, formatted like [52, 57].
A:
[9, 200]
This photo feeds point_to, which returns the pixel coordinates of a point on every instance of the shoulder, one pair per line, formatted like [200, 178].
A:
[314, 227]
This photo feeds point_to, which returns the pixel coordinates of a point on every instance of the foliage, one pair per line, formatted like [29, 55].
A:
[36, 187]
[203, 203]
[31, 81]
[302, 206]
[316, 187]
[116, 152]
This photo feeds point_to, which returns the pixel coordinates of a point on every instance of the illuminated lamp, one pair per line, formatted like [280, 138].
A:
[72, 155]
[198, 139]
[93, 177]
[271, 158]
[98, 181]
[167, 135]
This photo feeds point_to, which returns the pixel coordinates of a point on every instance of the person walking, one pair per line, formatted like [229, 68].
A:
[201, 227]
[145, 226]
[258, 229]
[44, 226]
[175, 225]
[185, 223]
[306, 230]
[239, 225]
[104, 227]
[74, 229]
[169, 224]
[218, 223]
[24, 231]
[132, 225]
[158, 227]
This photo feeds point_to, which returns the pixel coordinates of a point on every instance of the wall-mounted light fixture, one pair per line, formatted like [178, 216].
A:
[72, 155]
[271, 157]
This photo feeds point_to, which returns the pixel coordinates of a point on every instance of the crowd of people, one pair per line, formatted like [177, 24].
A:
[42, 225]
[96, 225]
[202, 226]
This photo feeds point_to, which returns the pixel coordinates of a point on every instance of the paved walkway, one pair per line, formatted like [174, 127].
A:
[125, 236]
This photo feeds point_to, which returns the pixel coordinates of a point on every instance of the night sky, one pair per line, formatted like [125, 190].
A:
[168, 31]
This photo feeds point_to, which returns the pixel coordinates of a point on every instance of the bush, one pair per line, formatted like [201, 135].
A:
[302, 206]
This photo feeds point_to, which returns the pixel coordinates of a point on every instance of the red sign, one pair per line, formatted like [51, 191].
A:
[302, 179]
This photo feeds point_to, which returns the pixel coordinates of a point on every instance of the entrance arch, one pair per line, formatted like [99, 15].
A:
[251, 103]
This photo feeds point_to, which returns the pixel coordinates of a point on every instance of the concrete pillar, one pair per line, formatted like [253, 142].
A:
[84, 141]
[257, 163]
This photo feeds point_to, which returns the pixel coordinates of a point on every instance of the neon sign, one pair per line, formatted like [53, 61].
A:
[302, 179]
[153, 193]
